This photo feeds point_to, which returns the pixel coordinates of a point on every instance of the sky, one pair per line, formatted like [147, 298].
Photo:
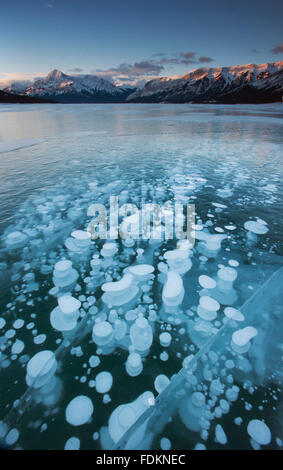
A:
[130, 41]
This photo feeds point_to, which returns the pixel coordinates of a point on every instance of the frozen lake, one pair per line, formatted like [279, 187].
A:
[56, 160]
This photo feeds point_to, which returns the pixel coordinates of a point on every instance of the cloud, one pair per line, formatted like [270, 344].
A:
[188, 55]
[140, 83]
[145, 69]
[177, 61]
[188, 61]
[204, 59]
[185, 58]
[159, 54]
[17, 84]
[277, 49]
[170, 61]
[22, 79]
[76, 70]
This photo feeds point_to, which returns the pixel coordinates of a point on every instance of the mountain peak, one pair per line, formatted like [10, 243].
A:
[55, 74]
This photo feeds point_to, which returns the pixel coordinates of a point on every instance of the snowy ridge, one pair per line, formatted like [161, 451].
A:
[67, 88]
[240, 83]
[58, 83]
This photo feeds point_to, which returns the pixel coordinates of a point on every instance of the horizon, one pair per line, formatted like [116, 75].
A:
[77, 38]
[9, 82]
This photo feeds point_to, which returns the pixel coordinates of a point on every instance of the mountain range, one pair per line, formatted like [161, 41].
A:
[249, 83]
[239, 84]
[62, 88]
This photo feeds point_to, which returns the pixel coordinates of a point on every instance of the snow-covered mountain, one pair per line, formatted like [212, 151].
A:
[239, 84]
[64, 88]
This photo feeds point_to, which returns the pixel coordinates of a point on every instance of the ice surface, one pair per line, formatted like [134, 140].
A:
[79, 410]
[141, 271]
[65, 316]
[18, 346]
[191, 410]
[64, 276]
[79, 242]
[165, 339]
[68, 304]
[18, 144]
[102, 333]
[227, 274]
[125, 415]
[259, 432]
[40, 369]
[73, 443]
[212, 241]
[63, 266]
[178, 260]
[81, 237]
[109, 250]
[41, 363]
[134, 364]
[231, 312]
[39, 339]
[208, 307]
[15, 240]
[242, 337]
[160, 383]
[103, 382]
[232, 393]
[234, 263]
[220, 435]
[12, 437]
[200, 446]
[207, 282]
[165, 444]
[118, 286]
[119, 292]
[49, 247]
[173, 291]
[141, 335]
[18, 323]
[94, 361]
[256, 227]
